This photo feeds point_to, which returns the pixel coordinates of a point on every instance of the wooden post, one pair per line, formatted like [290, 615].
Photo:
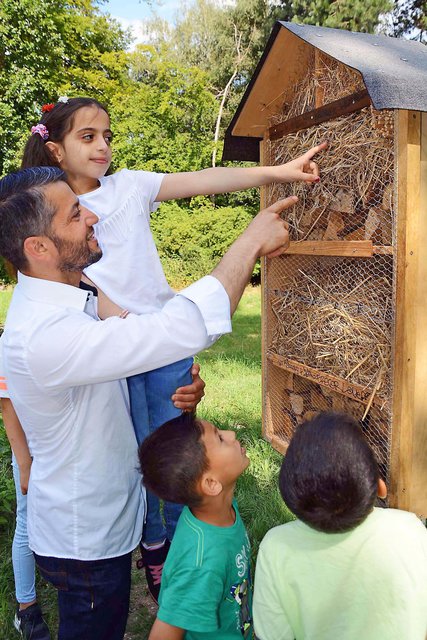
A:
[409, 436]
[266, 411]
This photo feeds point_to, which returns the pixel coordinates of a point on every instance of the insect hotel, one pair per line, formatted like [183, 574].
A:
[344, 311]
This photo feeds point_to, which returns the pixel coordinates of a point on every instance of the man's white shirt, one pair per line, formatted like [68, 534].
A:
[63, 370]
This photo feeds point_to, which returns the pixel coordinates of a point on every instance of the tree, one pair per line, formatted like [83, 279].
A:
[227, 40]
[165, 121]
[50, 47]
[409, 18]
[353, 15]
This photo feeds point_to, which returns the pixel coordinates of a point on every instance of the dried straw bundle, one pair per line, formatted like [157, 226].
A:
[337, 320]
[356, 170]
[356, 176]
[326, 80]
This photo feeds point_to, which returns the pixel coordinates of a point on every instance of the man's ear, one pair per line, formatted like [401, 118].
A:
[36, 247]
[382, 489]
[210, 486]
[55, 150]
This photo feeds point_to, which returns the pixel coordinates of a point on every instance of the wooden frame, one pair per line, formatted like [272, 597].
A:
[408, 463]
[409, 435]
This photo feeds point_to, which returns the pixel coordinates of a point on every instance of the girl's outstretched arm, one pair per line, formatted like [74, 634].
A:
[226, 179]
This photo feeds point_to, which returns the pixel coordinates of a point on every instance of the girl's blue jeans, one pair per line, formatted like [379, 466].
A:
[22, 556]
[151, 405]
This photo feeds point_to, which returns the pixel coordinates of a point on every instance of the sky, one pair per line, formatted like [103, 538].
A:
[133, 13]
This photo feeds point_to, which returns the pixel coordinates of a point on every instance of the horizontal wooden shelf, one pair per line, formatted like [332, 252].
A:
[343, 248]
[356, 392]
[355, 248]
[277, 443]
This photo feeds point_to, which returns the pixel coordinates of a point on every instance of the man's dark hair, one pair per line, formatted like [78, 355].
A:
[329, 475]
[24, 210]
[58, 121]
[173, 458]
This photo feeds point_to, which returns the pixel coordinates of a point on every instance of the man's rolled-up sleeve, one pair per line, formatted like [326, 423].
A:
[212, 301]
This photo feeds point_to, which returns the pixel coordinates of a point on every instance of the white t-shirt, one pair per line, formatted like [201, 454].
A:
[129, 272]
[367, 584]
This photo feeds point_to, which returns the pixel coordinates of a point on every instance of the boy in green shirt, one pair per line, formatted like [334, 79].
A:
[344, 570]
[206, 583]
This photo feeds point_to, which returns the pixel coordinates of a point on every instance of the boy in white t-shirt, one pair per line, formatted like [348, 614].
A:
[344, 570]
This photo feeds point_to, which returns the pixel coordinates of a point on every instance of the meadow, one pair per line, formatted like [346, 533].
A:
[232, 372]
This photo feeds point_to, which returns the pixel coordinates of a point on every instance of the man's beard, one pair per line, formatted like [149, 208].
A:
[74, 257]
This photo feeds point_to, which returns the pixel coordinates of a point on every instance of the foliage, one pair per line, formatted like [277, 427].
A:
[409, 18]
[192, 241]
[206, 35]
[353, 15]
[48, 48]
[165, 122]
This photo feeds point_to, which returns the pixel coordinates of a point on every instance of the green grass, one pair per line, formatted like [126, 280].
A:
[5, 296]
[232, 371]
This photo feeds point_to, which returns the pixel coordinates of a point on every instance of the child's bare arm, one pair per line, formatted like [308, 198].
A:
[18, 441]
[225, 179]
[164, 631]
[106, 307]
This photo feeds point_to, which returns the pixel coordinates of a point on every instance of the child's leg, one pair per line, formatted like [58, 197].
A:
[161, 384]
[22, 556]
[154, 530]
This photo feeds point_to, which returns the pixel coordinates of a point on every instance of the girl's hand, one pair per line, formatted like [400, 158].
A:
[302, 169]
[188, 397]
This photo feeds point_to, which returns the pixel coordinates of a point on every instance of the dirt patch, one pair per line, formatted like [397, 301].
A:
[143, 610]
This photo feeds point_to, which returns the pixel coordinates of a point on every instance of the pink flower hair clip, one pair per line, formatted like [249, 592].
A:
[41, 130]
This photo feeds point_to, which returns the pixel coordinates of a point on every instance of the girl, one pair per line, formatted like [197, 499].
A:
[75, 135]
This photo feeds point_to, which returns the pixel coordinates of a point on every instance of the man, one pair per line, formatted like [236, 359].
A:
[63, 368]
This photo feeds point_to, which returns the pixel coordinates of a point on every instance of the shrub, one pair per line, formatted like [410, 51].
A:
[192, 241]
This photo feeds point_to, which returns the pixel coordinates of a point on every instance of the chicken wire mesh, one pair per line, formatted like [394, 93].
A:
[330, 319]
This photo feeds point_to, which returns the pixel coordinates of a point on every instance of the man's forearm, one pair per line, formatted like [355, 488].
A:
[235, 270]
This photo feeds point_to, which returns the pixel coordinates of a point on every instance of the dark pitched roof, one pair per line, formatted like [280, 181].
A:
[394, 71]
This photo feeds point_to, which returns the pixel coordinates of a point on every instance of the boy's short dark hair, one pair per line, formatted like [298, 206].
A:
[173, 458]
[329, 476]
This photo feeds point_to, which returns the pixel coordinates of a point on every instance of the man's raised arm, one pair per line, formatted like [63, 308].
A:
[267, 235]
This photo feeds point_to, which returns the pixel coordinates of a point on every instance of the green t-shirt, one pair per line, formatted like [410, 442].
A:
[206, 584]
[367, 584]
